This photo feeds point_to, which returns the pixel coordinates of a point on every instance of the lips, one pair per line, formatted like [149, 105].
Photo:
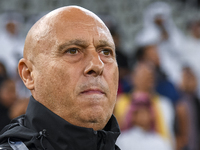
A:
[93, 91]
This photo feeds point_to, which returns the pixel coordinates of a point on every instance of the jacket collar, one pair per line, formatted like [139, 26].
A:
[63, 135]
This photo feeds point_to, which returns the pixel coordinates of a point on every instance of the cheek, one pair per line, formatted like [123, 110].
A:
[54, 81]
[60, 77]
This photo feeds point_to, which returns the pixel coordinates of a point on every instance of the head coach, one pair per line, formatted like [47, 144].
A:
[70, 67]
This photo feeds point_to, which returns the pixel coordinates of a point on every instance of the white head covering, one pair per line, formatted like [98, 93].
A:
[11, 17]
[11, 49]
[170, 49]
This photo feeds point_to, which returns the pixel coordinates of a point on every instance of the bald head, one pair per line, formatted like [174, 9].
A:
[43, 35]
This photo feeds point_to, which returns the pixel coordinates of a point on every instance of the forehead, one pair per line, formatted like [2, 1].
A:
[78, 24]
[80, 30]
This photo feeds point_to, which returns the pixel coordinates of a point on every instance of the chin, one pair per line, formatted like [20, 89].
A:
[97, 119]
[96, 116]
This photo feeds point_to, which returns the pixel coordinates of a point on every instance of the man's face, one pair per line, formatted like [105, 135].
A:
[76, 75]
[151, 55]
[143, 78]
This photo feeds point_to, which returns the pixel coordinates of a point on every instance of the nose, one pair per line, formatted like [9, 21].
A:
[95, 65]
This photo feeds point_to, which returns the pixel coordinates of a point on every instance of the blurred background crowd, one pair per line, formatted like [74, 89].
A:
[158, 54]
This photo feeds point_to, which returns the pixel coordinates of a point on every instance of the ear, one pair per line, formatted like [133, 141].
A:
[25, 68]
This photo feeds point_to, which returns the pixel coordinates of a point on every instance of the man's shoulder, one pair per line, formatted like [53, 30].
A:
[11, 131]
[18, 122]
[17, 136]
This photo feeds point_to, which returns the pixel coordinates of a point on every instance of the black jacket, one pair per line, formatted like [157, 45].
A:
[41, 129]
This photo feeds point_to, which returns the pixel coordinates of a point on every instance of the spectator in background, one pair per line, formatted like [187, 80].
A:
[11, 50]
[122, 61]
[191, 49]
[149, 54]
[11, 41]
[11, 105]
[140, 120]
[143, 81]
[7, 99]
[159, 26]
[188, 113]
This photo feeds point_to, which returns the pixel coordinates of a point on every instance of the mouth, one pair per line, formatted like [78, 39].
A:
[93, 91]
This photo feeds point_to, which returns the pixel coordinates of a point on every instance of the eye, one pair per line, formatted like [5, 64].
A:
[72, 51]
[106, 52]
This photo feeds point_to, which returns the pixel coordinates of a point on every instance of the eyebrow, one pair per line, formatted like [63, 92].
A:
[77, 42]
[84, 44]
[103, 43]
